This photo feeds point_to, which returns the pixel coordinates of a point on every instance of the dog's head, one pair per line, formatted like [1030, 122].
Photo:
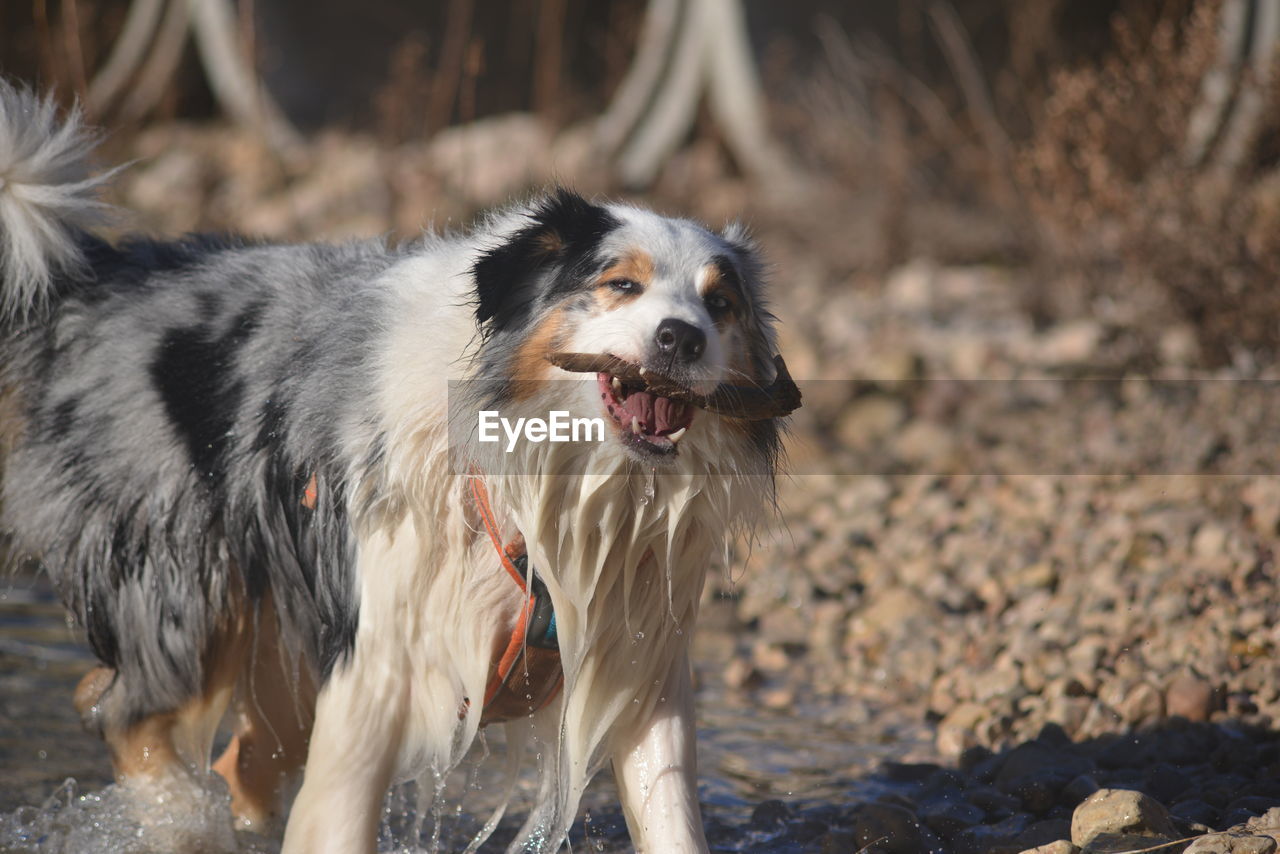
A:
[659, 293]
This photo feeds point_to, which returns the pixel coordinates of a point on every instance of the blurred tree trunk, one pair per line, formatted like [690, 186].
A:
[146, 55]
[1235, 92]
[689, 48]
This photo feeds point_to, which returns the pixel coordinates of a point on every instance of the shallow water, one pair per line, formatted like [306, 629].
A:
[56, 793]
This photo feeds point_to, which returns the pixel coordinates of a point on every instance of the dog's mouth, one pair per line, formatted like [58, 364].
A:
[647, 422]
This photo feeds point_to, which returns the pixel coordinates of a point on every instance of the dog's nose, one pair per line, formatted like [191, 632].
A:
[684, 340]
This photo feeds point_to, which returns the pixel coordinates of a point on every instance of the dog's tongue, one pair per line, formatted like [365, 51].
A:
[658, 416]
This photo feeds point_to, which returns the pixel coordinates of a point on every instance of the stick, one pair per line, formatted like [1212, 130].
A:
[749, 403]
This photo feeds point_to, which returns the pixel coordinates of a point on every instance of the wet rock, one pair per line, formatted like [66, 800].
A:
[807, 830]
[1166, 783]
[1254, 805]
[770, 814]
[909, 772]
[1078, 789]
[839, 842]
[993, 838]
[887, 827]
[1044, 833]
[1037, 773]
[949, 819]
[992, 799]
[1120, 812]
[1195, 813]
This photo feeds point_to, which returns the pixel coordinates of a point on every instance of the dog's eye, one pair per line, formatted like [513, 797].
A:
[624, 286]
[717, 303]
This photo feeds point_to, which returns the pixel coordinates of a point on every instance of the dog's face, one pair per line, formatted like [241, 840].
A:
[663, 294]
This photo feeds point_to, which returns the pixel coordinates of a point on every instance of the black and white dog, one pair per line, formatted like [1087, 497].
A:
[255, 474]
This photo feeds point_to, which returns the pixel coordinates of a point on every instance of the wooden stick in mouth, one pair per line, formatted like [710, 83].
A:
[747, 402]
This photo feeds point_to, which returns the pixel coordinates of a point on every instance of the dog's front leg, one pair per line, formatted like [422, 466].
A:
[656, 768]
[360, 715]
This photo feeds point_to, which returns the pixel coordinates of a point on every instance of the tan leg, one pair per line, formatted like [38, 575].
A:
[177, 742]
[274, 713]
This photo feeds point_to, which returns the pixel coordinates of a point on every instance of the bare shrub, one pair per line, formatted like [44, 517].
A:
[1105, 175]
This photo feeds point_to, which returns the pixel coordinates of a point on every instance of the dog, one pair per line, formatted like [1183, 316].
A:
[260, 478]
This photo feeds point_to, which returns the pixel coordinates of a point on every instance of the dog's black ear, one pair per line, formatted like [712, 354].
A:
[564, 227]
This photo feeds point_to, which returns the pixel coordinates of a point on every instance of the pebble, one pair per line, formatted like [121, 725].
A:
[887, 827]
[1232, 843]
[1061, 846]
[1190, 696]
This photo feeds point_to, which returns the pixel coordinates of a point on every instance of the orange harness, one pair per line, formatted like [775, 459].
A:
[527, 675]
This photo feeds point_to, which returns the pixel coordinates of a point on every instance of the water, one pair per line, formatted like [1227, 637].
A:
[56, 793]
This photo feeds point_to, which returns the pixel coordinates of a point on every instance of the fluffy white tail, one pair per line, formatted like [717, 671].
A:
[46, 194]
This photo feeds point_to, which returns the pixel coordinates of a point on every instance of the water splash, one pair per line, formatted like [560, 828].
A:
[649, 490]
[178, 814]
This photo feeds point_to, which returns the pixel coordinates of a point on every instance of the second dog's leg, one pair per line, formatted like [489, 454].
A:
[274, 706]
[657, 773]
[169, 743]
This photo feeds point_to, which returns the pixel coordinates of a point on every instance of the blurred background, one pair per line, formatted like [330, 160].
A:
[1026, 256]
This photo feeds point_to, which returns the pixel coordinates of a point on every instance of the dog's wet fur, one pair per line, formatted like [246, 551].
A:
[165, 406]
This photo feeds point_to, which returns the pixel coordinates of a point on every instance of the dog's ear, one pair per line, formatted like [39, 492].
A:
[564, 227]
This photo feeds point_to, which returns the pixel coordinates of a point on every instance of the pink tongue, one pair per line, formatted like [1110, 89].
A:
[657, 415]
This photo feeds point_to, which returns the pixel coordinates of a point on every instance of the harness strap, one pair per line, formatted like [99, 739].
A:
[528, 674]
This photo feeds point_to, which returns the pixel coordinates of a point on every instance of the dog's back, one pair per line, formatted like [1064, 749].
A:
[159, 400]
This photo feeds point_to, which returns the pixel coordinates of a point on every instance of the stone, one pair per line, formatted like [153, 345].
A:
[869, 420]
[958, 730]
[1070, 342]
[1061, 846]
[1120, 812]
[948, 819]
[1044, 832]
[770, 814]
[1232, 842]
[1195, 813]
[1191, 697]
[887, 827]
[1143, 704]
[1078, 789]
[839, 842]
[1268, 823]
[993, 838]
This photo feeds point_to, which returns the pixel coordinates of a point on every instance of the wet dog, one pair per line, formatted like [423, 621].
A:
[259, 478]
